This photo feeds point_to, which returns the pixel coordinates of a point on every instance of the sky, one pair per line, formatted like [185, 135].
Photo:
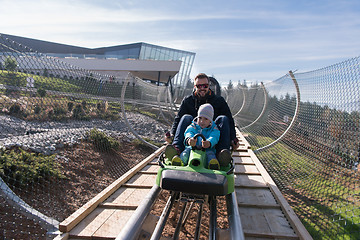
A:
[255, 40]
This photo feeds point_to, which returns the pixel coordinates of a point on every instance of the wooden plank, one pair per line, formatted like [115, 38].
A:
[64, 236]
[292, 218]
[242, 149]
[113, 225]
[242, 139]
[246, 169]
[153, 163]
[82, 212]
[143, 180]
[150, 168]
[132, 185]
[127, 196]
[265, 221]
[249, 181]
[248, 173]
[255, 196]
[91, 223]
[252, 220]
[247, 205]
[243, 160]
[148, 172]
[288, 211]
[259, 235]
[240, 154]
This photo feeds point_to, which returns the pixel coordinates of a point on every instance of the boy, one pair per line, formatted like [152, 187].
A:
[203, 124]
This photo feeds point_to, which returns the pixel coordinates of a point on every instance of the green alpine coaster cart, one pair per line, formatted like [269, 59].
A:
[194, 178]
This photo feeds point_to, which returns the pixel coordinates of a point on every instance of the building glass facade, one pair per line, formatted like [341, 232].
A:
[141, 51]
[153, 52]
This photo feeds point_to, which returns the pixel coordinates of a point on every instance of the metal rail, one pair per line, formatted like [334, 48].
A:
[133, 226]
[236, 230]
[164, 216]
[260, 206]
[213, 216]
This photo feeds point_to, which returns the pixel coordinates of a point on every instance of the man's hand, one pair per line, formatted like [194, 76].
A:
[235, 143]
[192, 142]
[206, 144]
[168, 138]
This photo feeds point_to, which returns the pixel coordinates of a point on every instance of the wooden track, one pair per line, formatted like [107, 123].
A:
[264, 212]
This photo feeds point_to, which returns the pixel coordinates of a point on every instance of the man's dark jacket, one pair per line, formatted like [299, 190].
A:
[191, 104]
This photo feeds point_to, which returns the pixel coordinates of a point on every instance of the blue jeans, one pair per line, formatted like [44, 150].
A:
[210, 154]
[222, 123]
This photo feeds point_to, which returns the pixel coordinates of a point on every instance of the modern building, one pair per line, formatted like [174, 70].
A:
[149, 62]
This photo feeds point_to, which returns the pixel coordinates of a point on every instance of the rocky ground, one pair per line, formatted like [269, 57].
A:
[87, 171]
[50, 137]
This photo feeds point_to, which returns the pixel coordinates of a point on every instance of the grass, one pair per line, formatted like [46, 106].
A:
[21, 167]
[48, 83]
[142, 145]
[325, 196]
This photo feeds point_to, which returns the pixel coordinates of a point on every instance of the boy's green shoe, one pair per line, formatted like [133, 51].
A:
[214, 164]
[176, 161]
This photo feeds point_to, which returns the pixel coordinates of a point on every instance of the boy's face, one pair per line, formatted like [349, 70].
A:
[203, 122]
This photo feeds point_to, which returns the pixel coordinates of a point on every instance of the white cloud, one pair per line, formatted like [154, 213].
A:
[233, 40]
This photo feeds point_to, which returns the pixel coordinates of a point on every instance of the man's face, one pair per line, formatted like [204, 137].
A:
[202, 86]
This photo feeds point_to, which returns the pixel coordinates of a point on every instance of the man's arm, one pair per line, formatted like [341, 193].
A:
[226, 111]
[182, 111]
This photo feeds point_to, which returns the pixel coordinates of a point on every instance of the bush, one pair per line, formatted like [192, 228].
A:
[41, 92]
[37, 109]
[59, 110]
[111, 116]
[15, 109]
[78, 112]
[142, 145]
[20, 167]
[70, 106]
[103, 142]
[84, 104]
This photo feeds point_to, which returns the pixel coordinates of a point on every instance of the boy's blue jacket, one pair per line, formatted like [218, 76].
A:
[212, 134]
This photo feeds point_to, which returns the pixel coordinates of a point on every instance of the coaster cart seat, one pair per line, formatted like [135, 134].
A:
[194, 178]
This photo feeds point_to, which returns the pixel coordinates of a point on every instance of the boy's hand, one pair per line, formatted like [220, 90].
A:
[192, 142]
[206, 144]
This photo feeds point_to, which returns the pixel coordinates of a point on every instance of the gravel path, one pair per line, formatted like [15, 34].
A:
[48, 137]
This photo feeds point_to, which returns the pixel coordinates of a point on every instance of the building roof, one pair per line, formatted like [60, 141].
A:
[148, 69]
[51, 47]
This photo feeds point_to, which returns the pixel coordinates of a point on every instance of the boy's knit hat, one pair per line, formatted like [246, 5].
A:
[207, 111]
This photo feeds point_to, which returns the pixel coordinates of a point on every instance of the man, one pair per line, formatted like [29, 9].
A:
[188, 111]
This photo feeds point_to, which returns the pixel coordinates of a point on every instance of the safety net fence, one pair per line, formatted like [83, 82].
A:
[67, 133]
[304, 128]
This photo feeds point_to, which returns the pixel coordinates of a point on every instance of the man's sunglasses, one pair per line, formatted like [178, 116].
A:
[202, 85]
